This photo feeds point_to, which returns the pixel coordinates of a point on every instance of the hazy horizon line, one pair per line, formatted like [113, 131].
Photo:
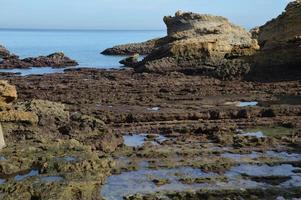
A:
[74, 29]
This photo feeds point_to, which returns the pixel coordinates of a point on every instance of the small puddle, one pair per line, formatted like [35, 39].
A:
[154, 109]
[257, 134]
[52, 178]
[263, 170]
[30, 174]
[137, 140]
[34, 71]
[273, 154]
[247, 103]
[70, 159]
[2, 158]
[134, 140]
[2, 181]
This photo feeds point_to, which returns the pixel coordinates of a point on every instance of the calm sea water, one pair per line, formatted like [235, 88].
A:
[83, 46]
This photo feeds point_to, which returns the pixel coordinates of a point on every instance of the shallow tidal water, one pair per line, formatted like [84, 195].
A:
[83, 46]
[140, 181]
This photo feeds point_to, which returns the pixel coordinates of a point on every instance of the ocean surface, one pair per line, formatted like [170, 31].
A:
[83, 46]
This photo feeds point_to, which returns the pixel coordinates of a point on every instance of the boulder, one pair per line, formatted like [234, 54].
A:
[130, 61]
[280, 42]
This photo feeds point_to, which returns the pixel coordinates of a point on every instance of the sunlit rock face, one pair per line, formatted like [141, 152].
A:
[202, 44]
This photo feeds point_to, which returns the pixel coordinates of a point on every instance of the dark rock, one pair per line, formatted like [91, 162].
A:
[142, 48]
[130, 61]
[280, 42]
[52, 60]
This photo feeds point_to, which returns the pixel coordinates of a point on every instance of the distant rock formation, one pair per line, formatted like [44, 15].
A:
[9, 61]
[142, 48]
[204, 45]
[52, 60]
[280, 42]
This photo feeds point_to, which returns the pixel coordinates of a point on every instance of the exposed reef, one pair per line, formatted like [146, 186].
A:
[10, 61]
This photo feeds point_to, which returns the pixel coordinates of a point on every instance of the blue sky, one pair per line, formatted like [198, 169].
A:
[128, 14]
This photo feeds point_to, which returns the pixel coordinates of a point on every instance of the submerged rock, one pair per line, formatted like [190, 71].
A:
[280, 42]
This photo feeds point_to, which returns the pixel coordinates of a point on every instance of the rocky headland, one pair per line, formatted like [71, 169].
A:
[213, 46]
[10, 61]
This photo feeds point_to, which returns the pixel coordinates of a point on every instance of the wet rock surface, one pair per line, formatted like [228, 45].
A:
[152, 122]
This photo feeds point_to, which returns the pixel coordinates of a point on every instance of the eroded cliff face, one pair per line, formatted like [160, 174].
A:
[280, 42]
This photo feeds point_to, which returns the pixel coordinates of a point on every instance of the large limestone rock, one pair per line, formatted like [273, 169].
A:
[197, 44]
[280, 42]
[202, 44]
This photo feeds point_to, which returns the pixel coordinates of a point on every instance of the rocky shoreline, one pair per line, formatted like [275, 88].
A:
[56, 60]
[187, 122]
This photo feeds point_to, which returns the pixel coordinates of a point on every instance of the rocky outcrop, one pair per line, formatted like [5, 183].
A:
[142, 48]
[280, 42]
[9, 61]
[52, 60]
[203, 45]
